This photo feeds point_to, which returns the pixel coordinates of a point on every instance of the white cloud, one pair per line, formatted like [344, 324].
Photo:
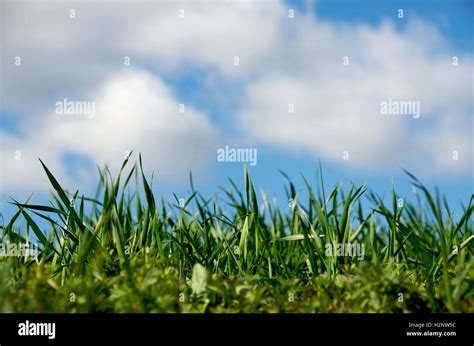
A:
[282, 61]
[63, 56]
[82, 58]
[337, 106]
[134, 110]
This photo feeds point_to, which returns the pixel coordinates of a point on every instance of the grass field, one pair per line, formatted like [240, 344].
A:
[126, 250]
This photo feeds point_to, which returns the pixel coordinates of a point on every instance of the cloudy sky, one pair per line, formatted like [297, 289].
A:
[301, 82]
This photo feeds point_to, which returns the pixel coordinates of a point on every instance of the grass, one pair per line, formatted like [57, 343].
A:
[125, 250]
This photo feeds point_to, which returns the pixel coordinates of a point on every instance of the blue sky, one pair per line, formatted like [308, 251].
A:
[282, 61]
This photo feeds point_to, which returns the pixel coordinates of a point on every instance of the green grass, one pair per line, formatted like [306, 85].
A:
[124, 250]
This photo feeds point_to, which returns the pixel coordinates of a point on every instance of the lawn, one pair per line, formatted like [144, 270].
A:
[126, 250]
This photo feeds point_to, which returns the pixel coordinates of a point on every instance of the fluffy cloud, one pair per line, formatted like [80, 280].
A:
[134, 110]
[337, 107]
[61, 55]
[282, 61]
[82, 58]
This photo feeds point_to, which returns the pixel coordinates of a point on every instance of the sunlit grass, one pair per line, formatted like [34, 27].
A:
[126, 250]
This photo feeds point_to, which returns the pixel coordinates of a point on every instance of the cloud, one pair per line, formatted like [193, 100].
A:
[282, 61]
[134, 110]
[82, 58]
[337, 106]
[61, 55]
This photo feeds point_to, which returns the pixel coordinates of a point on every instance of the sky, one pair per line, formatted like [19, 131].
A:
[365, 88]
